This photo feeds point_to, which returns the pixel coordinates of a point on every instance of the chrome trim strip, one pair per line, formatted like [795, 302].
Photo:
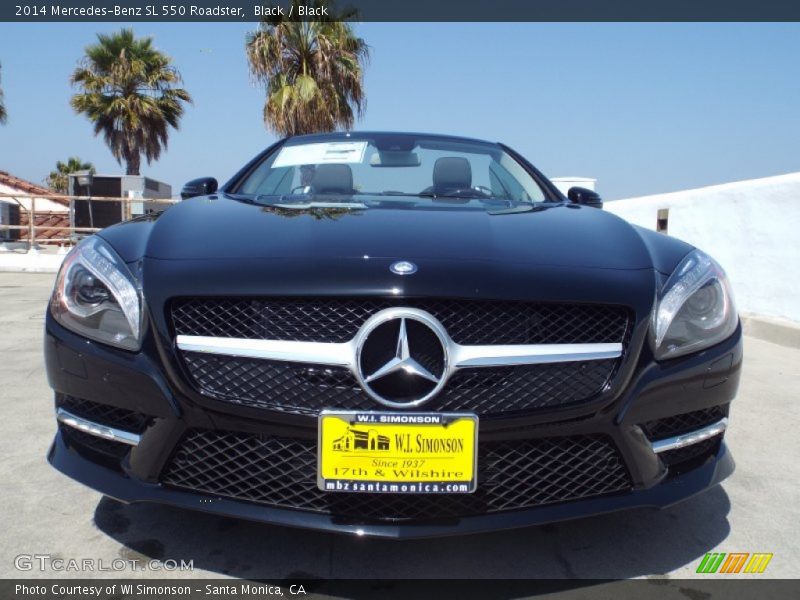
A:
[343, 354]
[693, 437]
[333, 354]
[97, 430]
[530, 354]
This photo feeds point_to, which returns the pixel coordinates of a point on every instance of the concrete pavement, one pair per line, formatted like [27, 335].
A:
[45, 513]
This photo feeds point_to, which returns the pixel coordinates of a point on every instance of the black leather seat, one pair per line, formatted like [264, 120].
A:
[451, 173]
[333, 179]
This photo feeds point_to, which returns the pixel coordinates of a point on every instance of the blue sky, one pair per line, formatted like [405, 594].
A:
[644, 108]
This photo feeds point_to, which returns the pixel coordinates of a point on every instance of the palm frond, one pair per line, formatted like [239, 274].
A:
[131, 92]
[3, 113]
[58, 179]
[313, 71]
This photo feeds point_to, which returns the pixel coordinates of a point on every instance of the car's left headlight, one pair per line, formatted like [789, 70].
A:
[97, 297]
[695, 308]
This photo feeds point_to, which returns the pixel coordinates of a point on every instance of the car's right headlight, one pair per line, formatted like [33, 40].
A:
[695, 308]
[97, 297]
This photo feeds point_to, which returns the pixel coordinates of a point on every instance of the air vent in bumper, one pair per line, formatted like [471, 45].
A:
[281, 472]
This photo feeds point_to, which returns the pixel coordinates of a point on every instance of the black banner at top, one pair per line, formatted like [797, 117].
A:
[401, 10]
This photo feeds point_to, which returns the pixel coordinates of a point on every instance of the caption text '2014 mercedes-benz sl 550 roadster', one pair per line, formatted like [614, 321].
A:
[391, 334]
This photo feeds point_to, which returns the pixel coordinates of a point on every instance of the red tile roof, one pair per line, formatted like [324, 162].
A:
[45, 219]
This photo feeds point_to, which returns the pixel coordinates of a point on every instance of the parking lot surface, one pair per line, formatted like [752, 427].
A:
[43, 512]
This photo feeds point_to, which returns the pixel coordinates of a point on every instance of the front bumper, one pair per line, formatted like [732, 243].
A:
[137, 382]
[121, 487]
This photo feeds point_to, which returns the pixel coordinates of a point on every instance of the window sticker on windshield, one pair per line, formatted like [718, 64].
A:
[317, 154]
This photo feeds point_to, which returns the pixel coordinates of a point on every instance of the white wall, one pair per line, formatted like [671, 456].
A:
[44, 204]
[752, 228]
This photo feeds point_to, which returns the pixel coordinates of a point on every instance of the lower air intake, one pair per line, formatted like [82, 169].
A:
[281, 472]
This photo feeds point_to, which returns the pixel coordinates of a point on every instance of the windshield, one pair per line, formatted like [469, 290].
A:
[388, 170]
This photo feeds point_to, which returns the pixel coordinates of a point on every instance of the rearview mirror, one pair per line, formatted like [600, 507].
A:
[585, 197]
[199, 187]
[391, 158]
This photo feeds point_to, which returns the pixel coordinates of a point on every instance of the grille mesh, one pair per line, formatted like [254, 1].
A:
[338, 319]
[104, 414]
[683, 423]
[305, 389]
[281, 472]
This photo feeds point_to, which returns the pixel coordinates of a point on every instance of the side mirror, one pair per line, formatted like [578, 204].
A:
[586, 197]
[199, 187]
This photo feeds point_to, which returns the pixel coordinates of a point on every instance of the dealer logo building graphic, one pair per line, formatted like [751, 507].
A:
[356, 439]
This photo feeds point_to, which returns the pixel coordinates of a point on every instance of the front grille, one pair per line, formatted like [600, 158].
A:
[281, 472]
[468, 322]
[683, 423]
[306, 389]
[104, 414]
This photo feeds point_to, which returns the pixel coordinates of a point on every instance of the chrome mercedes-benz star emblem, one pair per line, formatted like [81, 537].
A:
[401, 357]
[403, 267]
[402, 361]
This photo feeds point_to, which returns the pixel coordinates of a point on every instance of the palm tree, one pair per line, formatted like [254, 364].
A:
[313, 71]
[58, 180]
[3, 113]
[128, 89]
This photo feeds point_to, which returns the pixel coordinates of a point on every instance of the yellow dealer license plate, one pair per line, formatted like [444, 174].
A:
[400, 453]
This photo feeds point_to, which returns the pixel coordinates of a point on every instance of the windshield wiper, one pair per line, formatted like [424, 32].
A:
[521, 208]
[304, 202]
[458, 195]
[314, 204]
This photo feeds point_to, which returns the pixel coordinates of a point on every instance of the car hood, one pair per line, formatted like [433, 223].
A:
[564, 253]
[222, 229]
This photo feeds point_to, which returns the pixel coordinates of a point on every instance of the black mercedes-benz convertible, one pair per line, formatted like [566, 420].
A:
[391, 334]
